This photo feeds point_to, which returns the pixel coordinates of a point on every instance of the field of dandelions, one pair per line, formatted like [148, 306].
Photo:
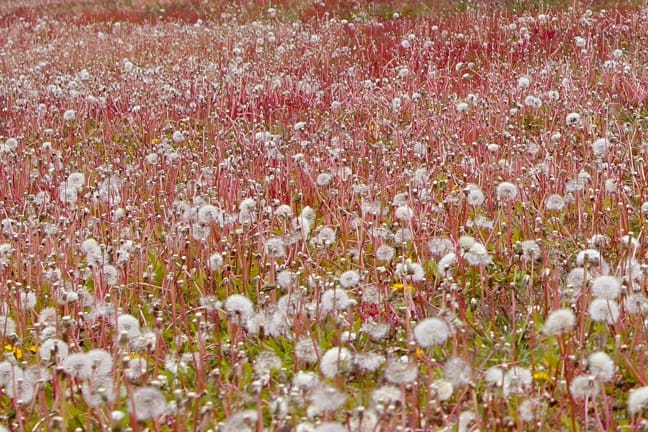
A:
[323, 216]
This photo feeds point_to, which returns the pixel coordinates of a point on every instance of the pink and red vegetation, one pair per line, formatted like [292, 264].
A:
[149, 148]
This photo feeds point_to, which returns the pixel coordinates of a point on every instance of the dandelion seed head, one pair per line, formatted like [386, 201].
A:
[638, 400]
[147, 403]
[601, 366]
[458, 372]
[54, 350]
[442, 389]
[431, 331]
[336, 360]
[349, 278]
[604, 310]
[69, 115]
[517, 380]
[327, 398]
[274, 248]
[506, 191]
[333, 300]
[400, 371]
[606, 287]
[494, 376]
[306, 350]
[385, 253]
[239, 306]
[584, 387]
[129, 324]
[600, 147]
[559, 322]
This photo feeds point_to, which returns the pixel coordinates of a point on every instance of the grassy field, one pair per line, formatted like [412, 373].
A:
[323, 216]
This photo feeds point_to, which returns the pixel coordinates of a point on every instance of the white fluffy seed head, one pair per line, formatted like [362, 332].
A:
[559, 321]
[601, 366]
[431, 331]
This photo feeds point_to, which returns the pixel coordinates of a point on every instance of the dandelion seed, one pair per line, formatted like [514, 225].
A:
[506, 191]
[475, 197]
[349, 278]
[9, 146]
[208, 214]
[385, 253]
[600, 147]
[638, 400]
[403, 235]
[147, 403]
[241, 421]
[584, 387]
[527, 410]
[239, 306]
[440, 246]
[135, 368]
[76, 365]
[337, 360]
[100, 363]
[636, 303]
[604, 310]
[376, 330]
[606, 287]
[284, 211]
[573, 119]
[110, 275]
[98, 392]
[324, 179]
[327, 399]
[129, 325]
[442, 389]
[7, 326]
[494, 376]
[69, 115]
[266, 361]
[517, 380]
[559, 322]
[274, 248]
[554, 202]
[369, 362]
[306, 350]
[592, 256]
[386, 395]
[410, 271]
[462, 106]
[601, 366]
[446, 263]
[178, 137]
[404, 212]
[477, 255]
[21, 388]
[458, 372]
[334, 300]
[431, 331]
[533, 101]
[54, 350]
[305, 381]
[326, 237]
[215, 262]
[331, 426]
[27, 300]
[400, 371]
[523, 82]
[530, 251]
[75, 180]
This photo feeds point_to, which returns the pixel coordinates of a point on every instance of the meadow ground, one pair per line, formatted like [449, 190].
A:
[323, 216]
